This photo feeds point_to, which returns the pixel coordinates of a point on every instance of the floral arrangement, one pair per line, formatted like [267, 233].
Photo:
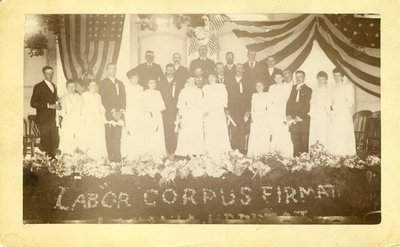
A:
[191, 21]
[37, 42]
[169, 169]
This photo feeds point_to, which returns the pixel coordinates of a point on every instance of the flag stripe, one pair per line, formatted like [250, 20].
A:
[301, 58]
[290, 47]
[373, 52]
[364, 84]
[348, 49]
[99, 54]
[288, 60]
[78, 38]
[103, 57]
[355, 65]
[262, 45]
[118, 44]
[281, 46]
[72, 35]
[289, 26]
[68, 46]
[96, 45]
[85, 46]
[266, 23]
[64, 55]
[357, 81]
[295, 44]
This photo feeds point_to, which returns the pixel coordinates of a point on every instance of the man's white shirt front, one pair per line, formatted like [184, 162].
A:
[239, 80]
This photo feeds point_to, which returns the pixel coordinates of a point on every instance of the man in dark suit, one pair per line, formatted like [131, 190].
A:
[229, 70]
[207, 65]
[170, 88]
[297, 109]
[45, 100]
[270, 72]
[253, 70]
[239, 104]
[199, 77]
[221, 76]
[149, 70]
[181, 72]
[113, 96]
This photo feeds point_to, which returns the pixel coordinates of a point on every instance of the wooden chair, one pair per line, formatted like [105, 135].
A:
[373, 141]
[360, 125]
[33, 133]
[26, 139]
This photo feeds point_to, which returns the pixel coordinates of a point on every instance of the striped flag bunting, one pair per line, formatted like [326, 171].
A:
[290, 42]
[88, 43]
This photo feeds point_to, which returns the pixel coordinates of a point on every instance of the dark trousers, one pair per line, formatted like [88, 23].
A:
[300, 135]
[239, 134]
[49, 138]
[113, 142]
[170, 136]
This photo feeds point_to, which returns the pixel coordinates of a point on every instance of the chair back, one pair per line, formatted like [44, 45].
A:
[33, 128]
[25, 127]
[360, 120]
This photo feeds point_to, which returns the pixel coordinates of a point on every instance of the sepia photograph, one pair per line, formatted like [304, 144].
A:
[206, 118]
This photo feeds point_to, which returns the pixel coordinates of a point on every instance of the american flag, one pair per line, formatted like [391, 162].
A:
[290, 42]
[88, 43]
[214, 22]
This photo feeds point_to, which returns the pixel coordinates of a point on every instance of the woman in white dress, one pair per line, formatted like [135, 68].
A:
[190, 117]
[259, 138]
[93, 120]
[341, 135]
[71, 108]
[278, 96]
[216, 137]
[319, 111]
[132, 136]
[153, 129]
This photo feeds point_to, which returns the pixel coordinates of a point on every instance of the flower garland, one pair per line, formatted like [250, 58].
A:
[169, 170]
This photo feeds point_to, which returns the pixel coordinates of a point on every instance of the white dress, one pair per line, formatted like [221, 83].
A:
[216, 137]
[341, 135]
[132, 135]
[259, 138]
[70, 136]
[153, 129]
[319, 113]
[191, 133]
[280, 136]
[93, 120]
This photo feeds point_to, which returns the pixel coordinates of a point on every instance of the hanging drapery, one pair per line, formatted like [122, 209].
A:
[291, 41]
[88, 43]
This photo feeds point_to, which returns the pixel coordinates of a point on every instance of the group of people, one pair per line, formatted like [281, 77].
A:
[208, 108]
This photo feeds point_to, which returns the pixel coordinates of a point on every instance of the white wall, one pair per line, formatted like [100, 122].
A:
[33, 65]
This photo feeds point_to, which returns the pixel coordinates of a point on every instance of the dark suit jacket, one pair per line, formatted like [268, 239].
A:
[300, 108]
[254, 74]
[146, 73]
[170, 102]
[208, 65]
[42, 95]
[239, 104]
[109, 96]
[229, 73]
[269, 79]
[181, 74]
